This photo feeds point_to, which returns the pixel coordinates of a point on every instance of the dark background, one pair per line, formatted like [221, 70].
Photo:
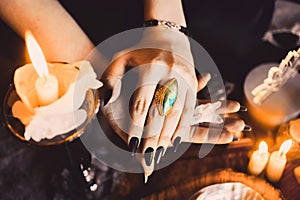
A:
[230, 31]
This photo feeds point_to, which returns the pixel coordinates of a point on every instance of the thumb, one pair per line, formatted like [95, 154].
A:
[203, 80]
[112, 80]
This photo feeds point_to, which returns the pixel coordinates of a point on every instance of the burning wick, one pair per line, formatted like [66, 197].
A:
[277, 161]
[46, 85]
[259, 159]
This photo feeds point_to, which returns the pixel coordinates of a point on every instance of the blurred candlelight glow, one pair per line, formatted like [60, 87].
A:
[278, 161]
[46, 85]
[36, 55]
[263, 147]
[285, 147]
[259, 159]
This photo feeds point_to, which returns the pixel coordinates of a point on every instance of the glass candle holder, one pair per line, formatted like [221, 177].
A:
[17, 128]
[85, 175]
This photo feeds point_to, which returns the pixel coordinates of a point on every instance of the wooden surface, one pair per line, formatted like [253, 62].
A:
[225, 163]
[187, 189]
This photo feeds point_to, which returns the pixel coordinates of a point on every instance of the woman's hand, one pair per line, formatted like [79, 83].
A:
[137, 73]
[157, 59]
[115, 112]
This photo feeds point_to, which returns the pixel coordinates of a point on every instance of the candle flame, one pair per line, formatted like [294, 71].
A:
[263, 147]
[285, 147]
[36, 55]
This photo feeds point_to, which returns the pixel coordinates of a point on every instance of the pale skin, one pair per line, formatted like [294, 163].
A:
[56, 31]
[62, 39]
[170, 57]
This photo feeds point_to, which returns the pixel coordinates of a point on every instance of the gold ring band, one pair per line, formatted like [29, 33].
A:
[165, 96]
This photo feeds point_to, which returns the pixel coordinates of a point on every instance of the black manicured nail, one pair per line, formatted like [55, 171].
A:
[105, 94]
[158, 154]
[247, 128]
[176, 143]
[107, 97]
[243, 108]
[235, 138]
[148, 156]
[133, 144]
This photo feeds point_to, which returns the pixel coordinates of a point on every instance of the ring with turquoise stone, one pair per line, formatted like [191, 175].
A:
[165, 96]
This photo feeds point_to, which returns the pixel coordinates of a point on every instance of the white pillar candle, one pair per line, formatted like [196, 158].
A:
[46, 85]
[277, 162]
[46, 89]
[259, 159]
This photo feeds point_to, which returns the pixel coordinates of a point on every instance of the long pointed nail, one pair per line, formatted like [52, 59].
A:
[148, 156]
[176, 143]
[133, 144]
[247, 128]
[116, 91]
[158, 154]
[107, 95]
[145, 178]
[243, 108]
[207, 77]
[235, 138]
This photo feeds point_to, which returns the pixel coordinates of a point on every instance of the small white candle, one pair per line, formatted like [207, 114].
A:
[277, 162]
[259, 159]
[46, 85]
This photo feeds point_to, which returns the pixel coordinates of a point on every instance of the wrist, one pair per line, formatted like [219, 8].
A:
[158, 37]
[166, 24]
[168, 10]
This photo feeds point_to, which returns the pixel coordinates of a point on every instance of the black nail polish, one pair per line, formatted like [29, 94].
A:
[247, 128]
[107, 97]
[133, 144]
[158, 154]
[105, 94]
[243, 108]
[148, 156]
[235, 138]
[176, 143]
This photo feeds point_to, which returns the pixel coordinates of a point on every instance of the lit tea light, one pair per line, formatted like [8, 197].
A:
[46, 85]
[277, 161]
[259, 159]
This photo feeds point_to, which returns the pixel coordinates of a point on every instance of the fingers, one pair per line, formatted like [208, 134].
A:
[169, 126]
[152, 132]
[212, 135]
[203, 80]
[230, 106]
[142, 98]
[183, 127]
[116, 117]
[227, 107]
[148, 168]
[159, 129]
[113, 84]
[161, 141]
[149, 153]
[234, 125]
[216, 134]
[112, 79]
[139, 109]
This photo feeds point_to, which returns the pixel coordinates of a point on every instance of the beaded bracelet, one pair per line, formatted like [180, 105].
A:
[167, 24]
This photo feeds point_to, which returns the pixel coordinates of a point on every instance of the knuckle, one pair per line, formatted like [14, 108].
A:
[164, 56]
[175, 112]
[188, 109]
[140, 106]
[151, 139]
[164, 141]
